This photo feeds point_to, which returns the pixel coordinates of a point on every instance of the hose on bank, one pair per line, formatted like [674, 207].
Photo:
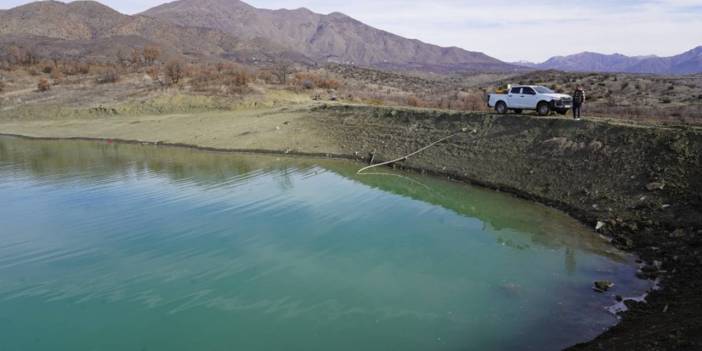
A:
[403, 158]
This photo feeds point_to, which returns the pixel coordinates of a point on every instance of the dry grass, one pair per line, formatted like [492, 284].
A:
[378, 87]
[642, 98]
[220, 79]
[108, 75]
[316, 79]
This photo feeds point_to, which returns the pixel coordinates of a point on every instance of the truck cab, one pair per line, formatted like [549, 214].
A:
[530, 97]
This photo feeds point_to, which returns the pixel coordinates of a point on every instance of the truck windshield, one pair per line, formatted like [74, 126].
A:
[543, 90]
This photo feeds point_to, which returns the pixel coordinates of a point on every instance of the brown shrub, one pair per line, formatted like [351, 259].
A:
[75, 68]
[43, 85]
[330, 84]
[151, 54]
[414, 101]
[48, 67]
[136, 58]
[56, 75]
[281, 71]
[239, 77]
[174, 71]
[265, 75]
[123, 58]
[310, 80]
[222, 78]
[154, 72]
[474, 102]
[22, 56]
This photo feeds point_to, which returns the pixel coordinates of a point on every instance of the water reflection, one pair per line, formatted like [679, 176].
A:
[72, 159]
[199, 250]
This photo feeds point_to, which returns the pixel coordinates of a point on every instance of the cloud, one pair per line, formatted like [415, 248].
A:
[530, 30]
[514, 30]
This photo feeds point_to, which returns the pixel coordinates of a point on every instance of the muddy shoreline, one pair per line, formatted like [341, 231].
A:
[644, 185]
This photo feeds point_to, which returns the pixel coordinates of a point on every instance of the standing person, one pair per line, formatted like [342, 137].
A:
[578, 101]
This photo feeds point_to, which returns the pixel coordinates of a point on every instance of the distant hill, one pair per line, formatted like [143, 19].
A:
[90, 29]
[685, 63]
[326, 38]
[227, 29]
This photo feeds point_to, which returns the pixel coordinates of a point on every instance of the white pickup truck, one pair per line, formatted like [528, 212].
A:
[530, 97]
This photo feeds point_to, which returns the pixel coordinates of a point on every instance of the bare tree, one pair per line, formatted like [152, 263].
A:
[123, 58]
[174, 71]
[21, 56]
[281, 71]
[107, 76]
[136, 58]
[14, 54]
[151, 54]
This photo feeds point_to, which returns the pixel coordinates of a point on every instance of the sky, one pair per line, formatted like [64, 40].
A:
[533, 30]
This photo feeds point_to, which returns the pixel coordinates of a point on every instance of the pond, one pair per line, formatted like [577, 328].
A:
[135, 247]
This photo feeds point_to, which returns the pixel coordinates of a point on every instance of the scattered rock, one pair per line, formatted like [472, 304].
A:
[599, 225]
[677, 233]
[595, 145]
[655, 186]
[602, 286]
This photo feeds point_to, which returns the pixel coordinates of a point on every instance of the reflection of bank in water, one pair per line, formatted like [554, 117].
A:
[546, 227]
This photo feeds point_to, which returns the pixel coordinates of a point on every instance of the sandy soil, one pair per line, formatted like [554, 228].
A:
[274, 129]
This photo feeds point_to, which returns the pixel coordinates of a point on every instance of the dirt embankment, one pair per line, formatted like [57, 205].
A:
[641, 186]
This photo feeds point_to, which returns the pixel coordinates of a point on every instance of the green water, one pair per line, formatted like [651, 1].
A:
[129, 247]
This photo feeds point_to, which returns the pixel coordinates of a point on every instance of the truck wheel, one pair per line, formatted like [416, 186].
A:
[501, 107]
[517, 111]
[543, 109]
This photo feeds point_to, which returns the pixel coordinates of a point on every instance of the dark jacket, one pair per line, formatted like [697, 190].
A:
[579, 96]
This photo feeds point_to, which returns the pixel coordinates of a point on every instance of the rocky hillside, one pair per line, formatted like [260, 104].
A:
[326, 38]
[685, 63]
[230, 30]
[87, 28]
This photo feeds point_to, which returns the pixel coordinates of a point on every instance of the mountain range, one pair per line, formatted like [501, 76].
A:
[234, 30]
[685, 63]
[228, 29]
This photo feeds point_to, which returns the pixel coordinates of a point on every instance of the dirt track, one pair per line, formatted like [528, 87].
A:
[643, 184]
